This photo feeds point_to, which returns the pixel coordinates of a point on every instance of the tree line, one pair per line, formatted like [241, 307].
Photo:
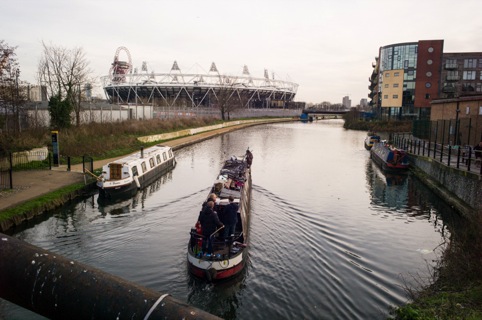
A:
[63, 72]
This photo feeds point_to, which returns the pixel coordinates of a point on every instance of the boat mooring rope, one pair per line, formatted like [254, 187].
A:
[155, 305]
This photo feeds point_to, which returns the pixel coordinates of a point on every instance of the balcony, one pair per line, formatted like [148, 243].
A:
[450, 66]
[453, 78]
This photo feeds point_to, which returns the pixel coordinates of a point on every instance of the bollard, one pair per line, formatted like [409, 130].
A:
[60, 288]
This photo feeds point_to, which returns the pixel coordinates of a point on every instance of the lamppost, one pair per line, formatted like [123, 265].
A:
[457, 124]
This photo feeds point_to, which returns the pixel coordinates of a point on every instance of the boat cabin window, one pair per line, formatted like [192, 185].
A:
[158, 159]
[170, 153]
[134, 171]
[151, 162]
[144, 166]
[164, 155]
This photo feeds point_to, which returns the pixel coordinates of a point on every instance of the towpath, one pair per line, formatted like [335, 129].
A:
[29, 185]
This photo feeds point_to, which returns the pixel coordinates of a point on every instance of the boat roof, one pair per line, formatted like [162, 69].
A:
[149, 152]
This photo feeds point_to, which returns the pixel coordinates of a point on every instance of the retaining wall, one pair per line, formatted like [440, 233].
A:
[461, 189]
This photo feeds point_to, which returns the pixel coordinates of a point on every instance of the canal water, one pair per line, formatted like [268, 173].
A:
[331, 236]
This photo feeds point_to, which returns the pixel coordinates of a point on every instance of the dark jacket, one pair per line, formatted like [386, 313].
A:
[209, 221]
[230, 215]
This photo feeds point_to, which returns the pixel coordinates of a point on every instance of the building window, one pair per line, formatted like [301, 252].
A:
[385, 96]
[429, 61]
[451, 63]
[468, 87]
[452, 75]
[470, 63]
[430, 49]
[386, 85]
[387, 74]
[480, 75]
[478, 87]
[395, 85]
[428, 85]
[395, 96]
[396, 74]
[427, 96]
[428, 74]
[467, 110]
[469, 75]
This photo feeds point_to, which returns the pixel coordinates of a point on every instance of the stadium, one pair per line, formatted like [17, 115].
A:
[125, 85]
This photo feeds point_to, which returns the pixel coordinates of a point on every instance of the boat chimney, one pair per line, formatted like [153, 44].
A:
[142, 152]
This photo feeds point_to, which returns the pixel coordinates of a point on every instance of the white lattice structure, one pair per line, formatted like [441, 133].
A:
[193, 89]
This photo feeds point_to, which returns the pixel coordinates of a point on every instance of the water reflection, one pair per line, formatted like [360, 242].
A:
[330, 234]
[387, 189]
[124, 205]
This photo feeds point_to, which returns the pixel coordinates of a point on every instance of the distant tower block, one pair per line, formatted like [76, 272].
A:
[245, 70]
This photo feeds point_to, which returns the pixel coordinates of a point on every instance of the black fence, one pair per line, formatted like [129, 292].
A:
[36, 160]
[87, 164]
[20, 161]
[6, 181]
[461, 132]
[460, 157]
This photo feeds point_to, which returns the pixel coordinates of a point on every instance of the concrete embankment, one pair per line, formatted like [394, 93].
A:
[459, 188]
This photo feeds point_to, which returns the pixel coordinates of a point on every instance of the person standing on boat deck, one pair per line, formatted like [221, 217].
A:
[212, 197]
[209, 222]
[249, 158]
[230, 217]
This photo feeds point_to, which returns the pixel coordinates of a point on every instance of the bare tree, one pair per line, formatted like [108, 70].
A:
[228, 97]
[65, 72]
[12, 96]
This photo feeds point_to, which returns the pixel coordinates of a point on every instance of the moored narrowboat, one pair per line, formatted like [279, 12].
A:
[390, 159]
[123, 177]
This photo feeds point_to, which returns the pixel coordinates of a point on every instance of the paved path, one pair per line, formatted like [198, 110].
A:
[29, 185]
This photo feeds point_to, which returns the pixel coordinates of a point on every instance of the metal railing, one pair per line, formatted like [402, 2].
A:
[20, 161]
[460, 157]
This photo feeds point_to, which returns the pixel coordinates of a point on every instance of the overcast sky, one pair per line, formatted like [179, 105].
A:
[326, 46]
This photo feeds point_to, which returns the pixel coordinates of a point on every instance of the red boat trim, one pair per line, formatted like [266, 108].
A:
[219, 274]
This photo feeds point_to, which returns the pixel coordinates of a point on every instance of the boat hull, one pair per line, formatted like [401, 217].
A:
[383, 156]
[216, 270]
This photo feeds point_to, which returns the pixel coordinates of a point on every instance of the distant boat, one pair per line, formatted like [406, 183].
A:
[388, 158]
[123, 177]
[229, 255]
[370, 140]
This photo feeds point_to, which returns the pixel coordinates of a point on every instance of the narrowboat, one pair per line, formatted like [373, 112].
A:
[123, 177]
[390, 159]
[229, 255]
[370, 140]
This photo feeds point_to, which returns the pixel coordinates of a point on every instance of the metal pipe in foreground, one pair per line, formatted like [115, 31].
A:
[60, 288]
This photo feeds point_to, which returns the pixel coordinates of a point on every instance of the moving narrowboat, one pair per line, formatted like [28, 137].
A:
[229, 254]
